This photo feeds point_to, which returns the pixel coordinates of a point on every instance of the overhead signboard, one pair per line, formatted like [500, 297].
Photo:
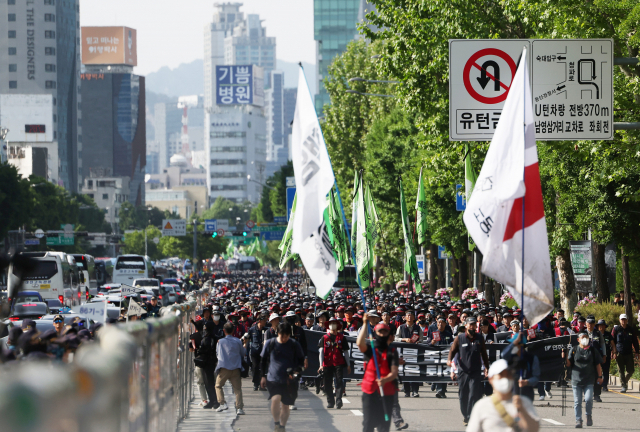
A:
[32, 242]
[239, 85]
[60, 240]
[272, 235]
[572, 89]
[291, 194]
[174, 227]
[211, 225]
[109, 46]
[571, 84]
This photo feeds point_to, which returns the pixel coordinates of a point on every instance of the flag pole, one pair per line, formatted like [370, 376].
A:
[524, 133]
[353, 256]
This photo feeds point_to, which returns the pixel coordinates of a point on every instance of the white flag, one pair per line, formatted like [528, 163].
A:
[494, 215]
[314, 179]
[134, 308]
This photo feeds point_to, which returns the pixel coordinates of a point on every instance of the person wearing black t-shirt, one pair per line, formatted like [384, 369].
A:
[410, 332]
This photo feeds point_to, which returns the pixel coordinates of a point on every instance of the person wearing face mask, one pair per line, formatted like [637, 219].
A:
[209, 360]
[502, 411]
[410, 332]
[256, 343]
[424, 325]
[333, 358]
[440, 336]
[597, 340]
[376, 408]
[472, 353]
[585, 363]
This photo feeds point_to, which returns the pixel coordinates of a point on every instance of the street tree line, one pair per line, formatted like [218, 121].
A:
[588, 186]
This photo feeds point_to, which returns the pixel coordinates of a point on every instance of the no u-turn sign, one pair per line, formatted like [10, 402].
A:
[481, 72]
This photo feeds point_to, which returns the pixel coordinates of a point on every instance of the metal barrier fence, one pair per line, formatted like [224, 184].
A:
[138, 377]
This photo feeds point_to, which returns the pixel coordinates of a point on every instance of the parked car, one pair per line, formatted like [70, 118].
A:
[33, 310]
[54, 305]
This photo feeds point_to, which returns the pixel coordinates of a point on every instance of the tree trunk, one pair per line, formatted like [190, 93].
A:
[481, 278]
[568, 298]
[626, 280]
[462, 273]
[433, 268]
[454, 279]
[600, 272]
[497, 290]
[441, 274]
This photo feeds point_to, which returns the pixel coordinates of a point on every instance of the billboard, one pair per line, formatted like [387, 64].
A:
[581, 262]
[109, 46]
[239, 85]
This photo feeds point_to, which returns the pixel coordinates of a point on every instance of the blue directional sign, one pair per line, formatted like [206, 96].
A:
[442, 253]
[272, 235]
[280, 220]
[461, 200]
[291, 193]
[210, 225]
[32, 242]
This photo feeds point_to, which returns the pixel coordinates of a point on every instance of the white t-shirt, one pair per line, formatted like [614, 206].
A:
[485, 418]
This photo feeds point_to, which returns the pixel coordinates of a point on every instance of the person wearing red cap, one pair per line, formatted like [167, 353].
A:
[376, 408]
[333, 358]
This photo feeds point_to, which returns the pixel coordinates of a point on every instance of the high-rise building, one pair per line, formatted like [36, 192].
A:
[225, 18]
[115, 120]
[335, 25]
[248, 44]
[40, 52]
[274, 111]
[290, 97]
[168, 126]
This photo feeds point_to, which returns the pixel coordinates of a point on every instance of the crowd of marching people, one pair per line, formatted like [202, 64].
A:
[269, 314]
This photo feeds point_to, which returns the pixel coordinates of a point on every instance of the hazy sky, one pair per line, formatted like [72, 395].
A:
[170, 32]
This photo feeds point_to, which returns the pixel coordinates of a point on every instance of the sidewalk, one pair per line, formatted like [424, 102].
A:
[201, 420]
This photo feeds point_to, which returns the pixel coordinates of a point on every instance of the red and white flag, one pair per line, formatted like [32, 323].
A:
[494, 214]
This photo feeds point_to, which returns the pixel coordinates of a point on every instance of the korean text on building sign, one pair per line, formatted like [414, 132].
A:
[234, 85]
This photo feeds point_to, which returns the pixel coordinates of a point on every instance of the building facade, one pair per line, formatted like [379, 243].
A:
[115, 127]
[168, 129]
[276, 132]
[225, 18]
[40, 52]
[109, 193]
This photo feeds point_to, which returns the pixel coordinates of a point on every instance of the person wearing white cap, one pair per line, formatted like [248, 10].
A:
[503, 411]
[626, 342]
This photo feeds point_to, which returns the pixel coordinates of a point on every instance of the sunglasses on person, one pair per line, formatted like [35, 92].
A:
[58, 321]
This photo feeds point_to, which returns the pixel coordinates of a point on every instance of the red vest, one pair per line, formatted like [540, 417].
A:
[333, 351]
[369, 383]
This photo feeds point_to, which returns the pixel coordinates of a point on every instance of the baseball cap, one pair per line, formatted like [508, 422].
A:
[497, 367]
[273, 316]
[381, 326]
[471, 320]
[623, 316]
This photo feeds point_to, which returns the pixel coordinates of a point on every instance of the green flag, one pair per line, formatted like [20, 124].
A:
[285, 244]
[344, 241]
[421, 212]
[230, 248]
[363, 240]
[337, 233]
[373, 224]
[411, 265]
[470, 178]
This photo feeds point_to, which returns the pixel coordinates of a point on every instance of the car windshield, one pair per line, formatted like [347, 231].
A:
[41, 271]
[146, 283]
[27, 299]
[54, 302]
[129, 263]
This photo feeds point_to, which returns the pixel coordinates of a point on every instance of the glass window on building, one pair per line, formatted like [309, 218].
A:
[13, 84]
[49, 51]
[49, 18]
[13, 51]
[50, 84]
[50, 2]
[12, 17]
[50, 68]
[12, 34]
[13, 68]
[105, 196]
[49, 34]
[11, 2]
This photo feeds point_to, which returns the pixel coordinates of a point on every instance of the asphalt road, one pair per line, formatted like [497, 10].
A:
[616, 412]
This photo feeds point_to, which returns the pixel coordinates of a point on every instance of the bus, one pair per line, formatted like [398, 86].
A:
[130, 267]
[86, 265]
[51, 276]
[104, 270]
[77, 278]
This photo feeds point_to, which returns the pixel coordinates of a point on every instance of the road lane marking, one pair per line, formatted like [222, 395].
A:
[553, 422]
[624, 394]
[344, 400]
[357, 413]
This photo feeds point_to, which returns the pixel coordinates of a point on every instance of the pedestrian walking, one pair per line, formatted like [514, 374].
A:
[608, 339]
[626, 342]
[472, 354]
[503, 411]
[334, 357]
[282, 360]
[230, 353]
[585, 363]
[256, 342]
[207, 361]
[378, 393]
[195, 340]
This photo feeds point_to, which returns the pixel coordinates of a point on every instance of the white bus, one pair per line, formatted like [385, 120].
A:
[77, 279]
[130, 267]
[51, 277]
[87, 267]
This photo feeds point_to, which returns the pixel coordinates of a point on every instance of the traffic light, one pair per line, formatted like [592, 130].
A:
[215, 234]
[244, 233]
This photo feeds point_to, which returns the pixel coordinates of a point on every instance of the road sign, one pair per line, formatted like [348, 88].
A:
[280, 220]
[96, 311]
[480, 74]
[461, 200]
[291, 193]
[572, 89]
[250, 224]
[220, 232]
[156, 240]
[32, 242]
[291, 182]
[272, 235]
[210, 225]
[442, 253]
[420, 261]
[39, 233]
[60, 240]
[571, 82]
[174, 227]
[263, 228]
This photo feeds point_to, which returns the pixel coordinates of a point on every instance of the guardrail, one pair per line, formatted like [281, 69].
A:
[137, 377]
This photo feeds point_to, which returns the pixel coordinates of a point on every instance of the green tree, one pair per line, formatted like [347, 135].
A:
[16, 203]
[226, 209]
[134, 243]
[136, 217]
